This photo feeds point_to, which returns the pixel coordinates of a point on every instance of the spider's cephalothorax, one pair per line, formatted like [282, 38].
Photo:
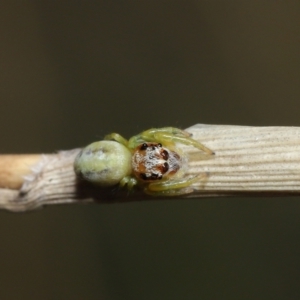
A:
[150, 159]
[152, 162]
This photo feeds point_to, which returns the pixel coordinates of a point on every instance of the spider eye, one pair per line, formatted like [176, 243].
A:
[143, 176]
[165, 167]
[165, 154]
[144, 146]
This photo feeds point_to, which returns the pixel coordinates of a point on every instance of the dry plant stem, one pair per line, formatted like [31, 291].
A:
[14, 167]
[247, 161]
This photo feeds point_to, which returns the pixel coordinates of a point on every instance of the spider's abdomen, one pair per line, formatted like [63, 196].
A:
[104, 163]
[151, 162]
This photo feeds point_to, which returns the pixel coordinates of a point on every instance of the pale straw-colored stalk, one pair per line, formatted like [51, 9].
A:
[247, 161]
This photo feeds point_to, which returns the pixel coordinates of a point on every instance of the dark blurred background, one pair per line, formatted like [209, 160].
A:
[72, 71]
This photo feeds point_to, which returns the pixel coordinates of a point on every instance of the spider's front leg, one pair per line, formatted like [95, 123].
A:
[173, 187]
[168, 136]
[152, 135]
[168, 139]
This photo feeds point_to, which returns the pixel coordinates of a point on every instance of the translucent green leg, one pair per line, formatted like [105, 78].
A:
[150, 135]
[129, 181]
[174, 187]
[171, 130]
[116, 137]
[167, 136]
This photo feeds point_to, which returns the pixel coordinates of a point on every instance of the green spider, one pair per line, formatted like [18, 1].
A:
[150, 160]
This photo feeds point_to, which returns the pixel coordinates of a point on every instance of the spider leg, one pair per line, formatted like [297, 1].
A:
[171, 130]
[173, 187]
[116, 137]
[168, 136]
[150, 136]
[129, 182]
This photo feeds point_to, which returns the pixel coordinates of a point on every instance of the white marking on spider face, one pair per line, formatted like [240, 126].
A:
[154, 161]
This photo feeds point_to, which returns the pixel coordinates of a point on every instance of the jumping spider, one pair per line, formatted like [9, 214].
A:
[150, 160]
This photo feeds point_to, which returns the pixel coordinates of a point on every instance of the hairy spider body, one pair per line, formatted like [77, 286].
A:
[150, 160]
